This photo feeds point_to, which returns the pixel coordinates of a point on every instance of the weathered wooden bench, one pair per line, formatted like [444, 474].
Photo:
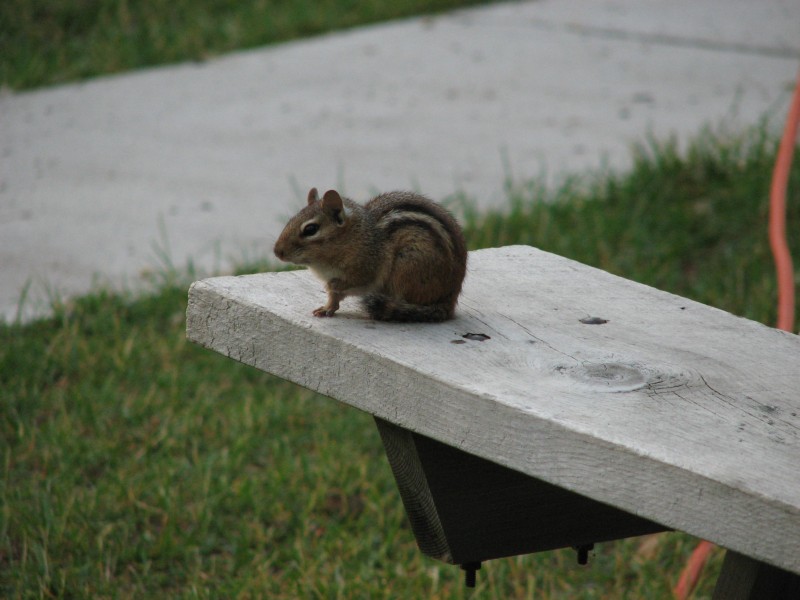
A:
[563, 406]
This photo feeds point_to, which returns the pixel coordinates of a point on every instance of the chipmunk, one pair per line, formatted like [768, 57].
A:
[402, 253]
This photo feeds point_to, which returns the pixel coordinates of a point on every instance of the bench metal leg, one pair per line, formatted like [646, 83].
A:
[744, 578]
[464, 509]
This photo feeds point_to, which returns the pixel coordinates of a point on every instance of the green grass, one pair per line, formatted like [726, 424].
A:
[52, 41]
[135, 465]
[692, 223]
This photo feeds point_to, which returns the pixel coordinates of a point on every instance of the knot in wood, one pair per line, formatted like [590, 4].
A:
[607, 376]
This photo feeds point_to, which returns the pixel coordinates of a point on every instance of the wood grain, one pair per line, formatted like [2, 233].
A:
[670, 410]
[414, 491]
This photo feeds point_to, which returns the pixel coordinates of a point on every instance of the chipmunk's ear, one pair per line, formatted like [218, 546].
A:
[313, 196]
[333, 206]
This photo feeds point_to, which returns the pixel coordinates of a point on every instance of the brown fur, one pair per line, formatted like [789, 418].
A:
[404, 254]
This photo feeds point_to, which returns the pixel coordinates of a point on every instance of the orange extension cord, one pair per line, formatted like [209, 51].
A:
[777, 215]
[786, 305]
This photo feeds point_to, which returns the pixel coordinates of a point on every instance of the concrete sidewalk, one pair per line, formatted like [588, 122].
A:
[101, 180]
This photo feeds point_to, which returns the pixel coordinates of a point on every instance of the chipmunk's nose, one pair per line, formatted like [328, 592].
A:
[279, 251]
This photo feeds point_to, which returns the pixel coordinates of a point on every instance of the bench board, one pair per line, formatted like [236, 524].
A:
[671, 410]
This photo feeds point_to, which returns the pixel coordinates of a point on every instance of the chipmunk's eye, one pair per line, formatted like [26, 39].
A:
[309, 230]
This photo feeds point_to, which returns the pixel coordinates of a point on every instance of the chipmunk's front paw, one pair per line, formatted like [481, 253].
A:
[324, 311]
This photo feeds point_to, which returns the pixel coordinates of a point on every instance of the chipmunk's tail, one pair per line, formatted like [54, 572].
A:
[383, 308]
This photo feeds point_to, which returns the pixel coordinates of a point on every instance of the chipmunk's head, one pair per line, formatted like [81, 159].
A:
[310, 236]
